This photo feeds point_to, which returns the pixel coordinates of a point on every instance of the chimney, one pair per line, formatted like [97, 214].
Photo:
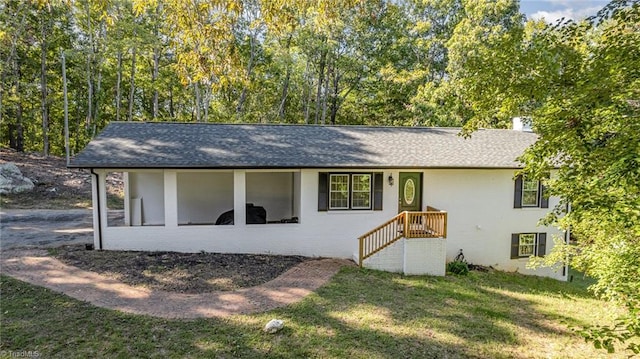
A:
[522, 124]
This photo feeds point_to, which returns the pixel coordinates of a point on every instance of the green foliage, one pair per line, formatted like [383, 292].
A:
[458, 267]
[625, 329]
[325, 62]
[580, 85]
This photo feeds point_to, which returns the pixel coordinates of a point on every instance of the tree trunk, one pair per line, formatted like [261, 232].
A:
[306, 97]
[19, 142]
[66, 107]
[206, 102]
[334, 96]
[197, 92]
[323, 58]
[118, 85]
[285, 85]
[15, 129]
[252, 55]
[285, 93]
[19, 131]
[78, 134]
[171, 110]
[132, 85]
[154, 80]
[96, 111]
[325, 98]
[44, 108]
[89, 119]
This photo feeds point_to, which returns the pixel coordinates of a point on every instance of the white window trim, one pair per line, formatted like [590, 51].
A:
[350, 176]
[537, 204]
[352, 191]
[534, 245]
[331, 176]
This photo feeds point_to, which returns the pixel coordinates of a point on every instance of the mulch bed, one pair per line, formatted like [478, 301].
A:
[190, 273]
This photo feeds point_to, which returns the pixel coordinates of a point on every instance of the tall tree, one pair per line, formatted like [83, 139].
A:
[579, 84]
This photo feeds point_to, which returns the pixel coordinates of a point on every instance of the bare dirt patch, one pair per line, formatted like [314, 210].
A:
[190, 273]
[56, 186]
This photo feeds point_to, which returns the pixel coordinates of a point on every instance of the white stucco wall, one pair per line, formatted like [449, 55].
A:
[425, 256]
[273, 191]
[415, 256]
[203, 195]
[479, 203]
[481, 217]
[390, 259]
[331, 234]
[149, 187]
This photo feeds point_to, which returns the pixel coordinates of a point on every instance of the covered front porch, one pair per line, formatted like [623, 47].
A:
[192, 210]
[181, 210]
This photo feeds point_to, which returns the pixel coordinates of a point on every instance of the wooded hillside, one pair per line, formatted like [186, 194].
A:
[327, 62]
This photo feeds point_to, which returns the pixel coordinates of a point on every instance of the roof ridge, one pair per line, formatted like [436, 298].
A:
[313, 125]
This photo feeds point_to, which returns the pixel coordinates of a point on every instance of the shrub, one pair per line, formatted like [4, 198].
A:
[458, 267]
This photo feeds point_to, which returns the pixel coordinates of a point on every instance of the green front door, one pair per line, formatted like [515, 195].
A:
[410, 191]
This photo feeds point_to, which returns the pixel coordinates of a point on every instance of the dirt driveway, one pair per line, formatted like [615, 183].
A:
[44, 228]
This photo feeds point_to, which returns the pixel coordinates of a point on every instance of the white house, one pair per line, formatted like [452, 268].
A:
[402, 199]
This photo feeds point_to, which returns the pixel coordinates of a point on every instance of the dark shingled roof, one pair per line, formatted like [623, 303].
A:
[206, 145]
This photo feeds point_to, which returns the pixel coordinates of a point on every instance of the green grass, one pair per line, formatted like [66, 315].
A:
[359, 314]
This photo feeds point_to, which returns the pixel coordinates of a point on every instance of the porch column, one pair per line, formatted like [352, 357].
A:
[127, 198]
[99, 199]
[239, 197]
[170, 199]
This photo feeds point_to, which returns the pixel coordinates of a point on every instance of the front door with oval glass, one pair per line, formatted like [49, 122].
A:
[410, 191]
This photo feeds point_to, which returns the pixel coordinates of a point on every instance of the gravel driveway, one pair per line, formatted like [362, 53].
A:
[44, 228]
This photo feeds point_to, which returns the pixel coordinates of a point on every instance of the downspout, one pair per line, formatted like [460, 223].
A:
[567, 241]
[99, 229]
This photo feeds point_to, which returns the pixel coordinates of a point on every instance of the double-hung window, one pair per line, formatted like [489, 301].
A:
[361, 191]
[529, 193]
[349, 191]
[525, 245]
[339, 191]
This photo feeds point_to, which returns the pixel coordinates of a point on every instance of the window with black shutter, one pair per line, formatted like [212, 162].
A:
[529, 193]
[350, 191]
[525, 245]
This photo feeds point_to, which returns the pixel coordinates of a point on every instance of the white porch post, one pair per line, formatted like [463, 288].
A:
[239, 197]
[127, 197]
[170, 199]
[99, 206]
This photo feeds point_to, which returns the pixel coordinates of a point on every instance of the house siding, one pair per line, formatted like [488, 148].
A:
[481, 219]
[330, 234]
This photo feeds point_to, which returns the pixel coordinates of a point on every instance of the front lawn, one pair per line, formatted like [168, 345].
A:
[359, 314]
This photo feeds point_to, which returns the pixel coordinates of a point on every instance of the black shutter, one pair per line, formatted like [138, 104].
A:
[323, 191]
[377, 191]
[517, 193]
[515, 245]
[542, 244]
[544, 200]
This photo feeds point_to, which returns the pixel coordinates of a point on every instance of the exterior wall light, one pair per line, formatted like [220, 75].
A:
[390, 179]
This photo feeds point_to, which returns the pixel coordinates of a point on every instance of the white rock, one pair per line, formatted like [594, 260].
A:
[274, 326]
[12, 180]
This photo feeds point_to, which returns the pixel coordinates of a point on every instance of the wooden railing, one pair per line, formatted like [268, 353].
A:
[429, 224]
